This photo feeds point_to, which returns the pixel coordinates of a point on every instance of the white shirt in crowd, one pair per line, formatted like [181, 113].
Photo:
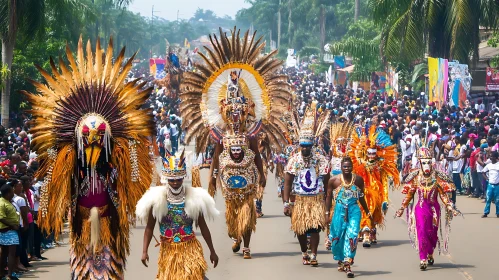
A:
[457, 165]
[18, 203]
[493, 172]
[36, 195]
[173, 129]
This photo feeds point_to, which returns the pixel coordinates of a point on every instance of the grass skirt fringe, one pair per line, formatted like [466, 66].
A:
[240, 216]
[183, 261]
[308, 213]
[196, 177]
[104, 264]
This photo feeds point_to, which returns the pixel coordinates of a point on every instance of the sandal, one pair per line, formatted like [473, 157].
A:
[431, 260]
[246, 253]
[341, 267]
[423, 265]
[313, 261]
[305, 258]
[236, 246]
[348, 270]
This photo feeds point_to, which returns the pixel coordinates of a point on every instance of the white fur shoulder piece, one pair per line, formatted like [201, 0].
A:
[198, 201]
[155, 198]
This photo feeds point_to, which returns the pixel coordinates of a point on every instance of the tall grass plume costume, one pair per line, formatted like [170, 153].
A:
[375, 160]
[92, 139]
[306, 172]
[234, 95]
[425, 185]
[176, 211]
[340, 136]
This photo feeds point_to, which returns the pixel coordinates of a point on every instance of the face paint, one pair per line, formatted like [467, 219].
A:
[236, 151]
[371, 155]
[426, 165]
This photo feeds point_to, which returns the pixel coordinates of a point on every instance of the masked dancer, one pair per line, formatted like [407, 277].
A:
[229, 99]
[424, 185]
[177, 208]
[305, 174]
[92, 138]
[268, 165]
[289, 118]
[375, 160]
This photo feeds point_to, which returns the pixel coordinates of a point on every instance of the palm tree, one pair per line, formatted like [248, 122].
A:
[440, 28]
[28, 17]
[356, 10]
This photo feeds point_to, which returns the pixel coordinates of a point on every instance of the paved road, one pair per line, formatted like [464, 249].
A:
[276, 253]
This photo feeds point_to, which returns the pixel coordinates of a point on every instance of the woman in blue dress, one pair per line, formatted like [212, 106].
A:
[345, 223]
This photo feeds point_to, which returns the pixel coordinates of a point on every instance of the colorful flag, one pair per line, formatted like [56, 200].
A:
[392, 82]
[459, 84]
[339, 61]
[438, 76]
[187, 44]
[157, 67]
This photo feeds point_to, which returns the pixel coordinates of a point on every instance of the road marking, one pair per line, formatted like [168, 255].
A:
[463, 273]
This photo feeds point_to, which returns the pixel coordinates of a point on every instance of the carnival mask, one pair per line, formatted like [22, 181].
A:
[93, 134]
[426, 165]
[236, 151]
[371, 155]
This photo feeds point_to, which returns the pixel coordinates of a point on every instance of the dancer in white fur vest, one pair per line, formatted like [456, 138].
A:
[176, 208]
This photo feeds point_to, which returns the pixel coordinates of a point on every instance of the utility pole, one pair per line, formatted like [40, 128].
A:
[290, 37]
[152, 22]
[279, 25]
[270, 35]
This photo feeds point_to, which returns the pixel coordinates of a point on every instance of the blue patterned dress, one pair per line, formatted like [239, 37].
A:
[345, 224]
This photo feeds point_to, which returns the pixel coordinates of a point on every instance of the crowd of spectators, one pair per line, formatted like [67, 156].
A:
[465, 139]
[18, 165]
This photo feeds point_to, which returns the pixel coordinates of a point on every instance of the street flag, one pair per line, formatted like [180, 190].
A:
[187, 44]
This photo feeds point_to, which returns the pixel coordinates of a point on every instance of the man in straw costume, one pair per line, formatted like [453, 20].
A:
[229, 99]
[425, 185]
[92, 138]
[305, 175]
[176, 208]
[375, 160]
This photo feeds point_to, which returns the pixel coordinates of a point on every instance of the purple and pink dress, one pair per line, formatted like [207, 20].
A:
[424, 215]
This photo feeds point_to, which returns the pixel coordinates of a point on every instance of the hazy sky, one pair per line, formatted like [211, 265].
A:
[168, 8]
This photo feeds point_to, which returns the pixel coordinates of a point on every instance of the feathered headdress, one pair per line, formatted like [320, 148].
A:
[371, 138]
[340, 135]
[313, 126]
[236, 91]
[85, 115]
[174, 167]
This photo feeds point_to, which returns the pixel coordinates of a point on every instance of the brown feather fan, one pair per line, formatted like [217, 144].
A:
[203, 89]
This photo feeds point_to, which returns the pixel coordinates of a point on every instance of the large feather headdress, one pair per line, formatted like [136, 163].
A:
[340, 135]
[313, 125]
[89, 97]
[235, 73]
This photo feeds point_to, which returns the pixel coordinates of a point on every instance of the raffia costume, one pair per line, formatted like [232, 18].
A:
[308, 186]
[375, 160]
[176, 211]
[92, 140]
[290, 119]
[233, 96]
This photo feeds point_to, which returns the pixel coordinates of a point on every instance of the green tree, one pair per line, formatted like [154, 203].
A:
[25, 17]
[441, 28]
